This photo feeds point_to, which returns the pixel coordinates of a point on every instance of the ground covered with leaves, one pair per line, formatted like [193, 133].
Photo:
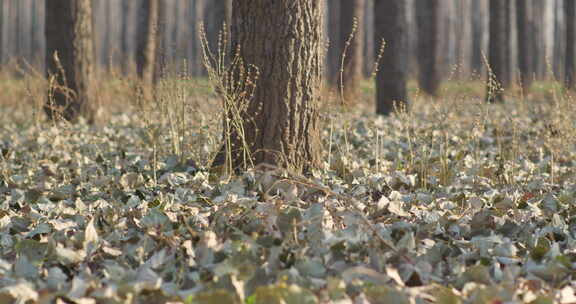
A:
[455, 202]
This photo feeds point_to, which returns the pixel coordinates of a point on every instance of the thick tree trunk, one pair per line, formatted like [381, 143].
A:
[146, 44]
[498, 47]
[280, 123]
[429, 37]
[69, 59]
[570, 68]
[334, 54]
[525, 36]
[390, 24]
[351, 11]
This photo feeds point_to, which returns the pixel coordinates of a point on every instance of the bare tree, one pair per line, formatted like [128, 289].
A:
[498, 47]
[390, 24]
[146, 44]
[351, 44]
[280, 122]
[69, 59]
[334, 53]
[429, 41]
[525, 36]
[570, 68]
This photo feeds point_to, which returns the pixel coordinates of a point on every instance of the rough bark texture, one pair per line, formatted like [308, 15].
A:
[68, 33]
[390, 24]
[525, 36]
[334, 53]
[146, 44]
[281, 120]
[429, 38]
[351, 10]
[497, 51]
[570, 68]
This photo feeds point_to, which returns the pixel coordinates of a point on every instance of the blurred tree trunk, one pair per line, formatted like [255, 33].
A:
[217, 13]
[195, 48]
[479, 35]
[428, 49]
[390, 23]
[498, 46]
[508, 78]
[351, 17]
[280, 123]
[69, 59]
[2, 20]
[369, 42]
[525, 36]
[125, 36]
[334, 54]
[146, 44]
[570, 68]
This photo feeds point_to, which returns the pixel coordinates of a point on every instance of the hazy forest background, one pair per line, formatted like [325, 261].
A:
[464, 35]
[310, 151]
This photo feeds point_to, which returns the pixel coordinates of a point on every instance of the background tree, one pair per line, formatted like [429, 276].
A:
[390, 23]
[351, 16]
[525, 36]
[69, 59]
[497, 51]
[146, 44]
[570, 68]
[280, 124]
[428, 50]
[334, 52]
[217, 13]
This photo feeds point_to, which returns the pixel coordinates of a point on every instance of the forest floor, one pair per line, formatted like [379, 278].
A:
[455, 201]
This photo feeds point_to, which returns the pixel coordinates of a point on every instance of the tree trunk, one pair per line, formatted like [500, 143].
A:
[390, 23]
[351, 17]
[280, 122]
[570, 68]
[369, 43]
[216, 14]
[525, 36]
[2, 19]
[68, 33]
[428, 19]
[334, 53]
[497, 52]
[146, 44]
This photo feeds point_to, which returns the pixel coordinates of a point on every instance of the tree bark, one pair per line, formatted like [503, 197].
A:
[351, 17]
[498, 47]
[428, 20]
[280, 122]
[146, 44]
[69, 59]
[570, 68]
[2, 33]
[525, 36]
[390, 23]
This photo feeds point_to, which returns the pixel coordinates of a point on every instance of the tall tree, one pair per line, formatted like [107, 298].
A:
[216, 14]
[334, 53]
[369, 42]
[570, 68]
[352, 44]
[1, 33]
[69, 59]
[428, 19]
[280, 121]
[498, 46]
[390, 24]
[146, 44]
[524, 24]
